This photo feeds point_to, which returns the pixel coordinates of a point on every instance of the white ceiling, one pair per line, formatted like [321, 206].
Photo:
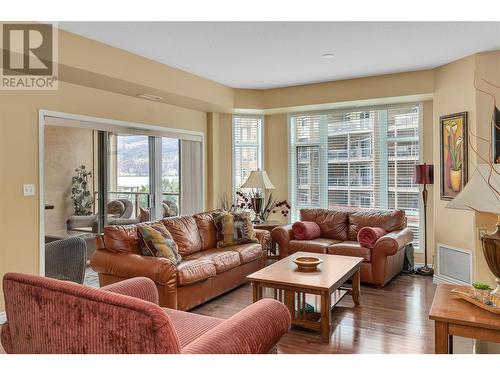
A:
[263, 55]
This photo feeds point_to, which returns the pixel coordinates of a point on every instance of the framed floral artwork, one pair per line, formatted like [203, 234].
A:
[453, 129]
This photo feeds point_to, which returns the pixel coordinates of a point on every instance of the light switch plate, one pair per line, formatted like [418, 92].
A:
[29, 190]
[481, 232]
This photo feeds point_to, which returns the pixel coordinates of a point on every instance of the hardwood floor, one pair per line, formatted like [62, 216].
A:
[393, 319]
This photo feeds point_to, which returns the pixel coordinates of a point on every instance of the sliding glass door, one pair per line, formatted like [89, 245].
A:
[129, 177]
[170, 176]
[144, 178]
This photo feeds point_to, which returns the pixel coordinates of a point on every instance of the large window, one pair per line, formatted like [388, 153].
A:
[247, 147]
[356, 158]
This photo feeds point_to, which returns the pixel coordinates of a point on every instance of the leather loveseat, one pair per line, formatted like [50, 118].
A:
[204, 272]
[339, 230]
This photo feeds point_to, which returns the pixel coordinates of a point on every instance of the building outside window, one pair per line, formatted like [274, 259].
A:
[356, 158]
[247, 147]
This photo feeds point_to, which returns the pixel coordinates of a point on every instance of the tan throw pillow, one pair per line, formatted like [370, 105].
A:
[234, 229]
[155, 240]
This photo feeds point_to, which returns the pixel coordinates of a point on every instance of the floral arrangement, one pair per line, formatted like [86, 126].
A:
[243, 201]
[271, 205]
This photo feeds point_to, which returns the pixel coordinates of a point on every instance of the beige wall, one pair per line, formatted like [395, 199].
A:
[276, 156]
[488, 68]
[455, 92]
[219, 159]
[65, 150]
[368, 88]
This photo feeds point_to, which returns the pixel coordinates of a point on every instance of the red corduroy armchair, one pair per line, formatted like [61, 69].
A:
[51, 316]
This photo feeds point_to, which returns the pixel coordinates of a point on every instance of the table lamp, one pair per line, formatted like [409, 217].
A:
[259, 181]
[424, 175]
[482, 194]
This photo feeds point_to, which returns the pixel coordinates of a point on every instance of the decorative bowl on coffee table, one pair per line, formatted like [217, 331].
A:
[307, 264]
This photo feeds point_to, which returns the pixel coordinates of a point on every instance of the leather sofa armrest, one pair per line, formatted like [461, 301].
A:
[390, 243]
[282, 235]
[127, 265]
[264, 238]
[254, 330]
[138, 287]
[5, 338]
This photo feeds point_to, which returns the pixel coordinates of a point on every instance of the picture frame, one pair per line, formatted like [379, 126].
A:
[454, 154]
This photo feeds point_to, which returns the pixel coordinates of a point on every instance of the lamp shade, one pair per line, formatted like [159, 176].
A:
[424, 174]
[481, 192]
[258, 180]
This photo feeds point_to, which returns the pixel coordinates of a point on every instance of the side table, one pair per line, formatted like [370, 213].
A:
[272, 251]
[455, 317]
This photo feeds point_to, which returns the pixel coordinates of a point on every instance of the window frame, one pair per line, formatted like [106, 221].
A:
[259, 145]
[323, 145]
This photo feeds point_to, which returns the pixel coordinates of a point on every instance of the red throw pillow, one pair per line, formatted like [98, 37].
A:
[306, 230]
[367, 236]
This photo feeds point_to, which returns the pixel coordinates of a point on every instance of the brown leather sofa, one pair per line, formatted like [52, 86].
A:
[339, 230]
[204, 272]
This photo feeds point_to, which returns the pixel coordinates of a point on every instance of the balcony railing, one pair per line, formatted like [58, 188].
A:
[140, 199]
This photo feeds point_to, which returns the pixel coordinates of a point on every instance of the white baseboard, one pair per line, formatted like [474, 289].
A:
[3, 317]
[440, 279]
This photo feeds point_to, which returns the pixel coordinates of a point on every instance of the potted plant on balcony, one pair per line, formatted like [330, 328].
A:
[80, 194]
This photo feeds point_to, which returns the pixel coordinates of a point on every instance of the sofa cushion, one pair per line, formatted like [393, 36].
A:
[247, 252]
[207, 230]
[352, 249]
[185, 234]
[333, 223]
[234, 229]
[194, 270]
[317, 245]
[189, 326]
[122, 239]
[388, 220]
[223, 260]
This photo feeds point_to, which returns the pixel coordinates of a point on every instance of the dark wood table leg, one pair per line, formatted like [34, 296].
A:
[326, 316]
[289, 300]
[257, 291]
[441, 338]
[356, 287]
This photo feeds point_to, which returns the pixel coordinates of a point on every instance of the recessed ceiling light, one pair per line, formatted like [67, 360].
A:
[327, 56]
[149, 97]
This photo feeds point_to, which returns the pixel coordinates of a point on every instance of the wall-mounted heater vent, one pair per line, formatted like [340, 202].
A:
[454, 265]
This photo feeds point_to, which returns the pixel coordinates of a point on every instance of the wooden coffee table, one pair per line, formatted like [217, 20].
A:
[291, 286]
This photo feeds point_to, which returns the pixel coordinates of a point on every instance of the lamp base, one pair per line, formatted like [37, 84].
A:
[425, 271]
[496, 292]
[491, 251]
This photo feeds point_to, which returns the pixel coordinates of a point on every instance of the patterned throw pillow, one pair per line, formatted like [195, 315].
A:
[234, 229]
[155, 240]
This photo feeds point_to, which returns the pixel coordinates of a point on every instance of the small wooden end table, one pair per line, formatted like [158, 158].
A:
[272, 252]
[290, 286]
[455, 317]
